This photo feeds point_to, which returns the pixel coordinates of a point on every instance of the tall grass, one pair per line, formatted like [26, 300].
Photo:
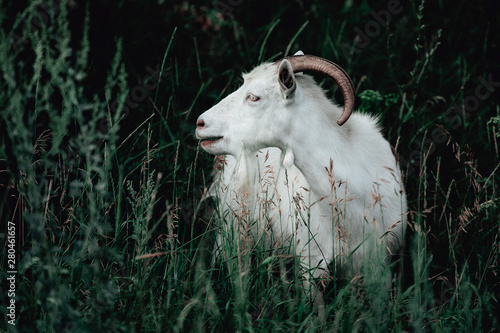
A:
[105, 184]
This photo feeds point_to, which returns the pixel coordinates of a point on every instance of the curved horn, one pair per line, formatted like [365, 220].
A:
[302, 63]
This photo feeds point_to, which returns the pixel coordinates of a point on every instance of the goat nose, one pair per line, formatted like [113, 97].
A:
[200, 124]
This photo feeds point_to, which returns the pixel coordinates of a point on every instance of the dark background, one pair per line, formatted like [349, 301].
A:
[450, 171]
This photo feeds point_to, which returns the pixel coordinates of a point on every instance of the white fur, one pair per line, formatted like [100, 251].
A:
[340, 191]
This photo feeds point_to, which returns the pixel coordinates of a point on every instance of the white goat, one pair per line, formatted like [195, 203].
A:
[357, 199]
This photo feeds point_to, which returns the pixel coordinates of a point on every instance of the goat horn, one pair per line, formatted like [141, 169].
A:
[309, 62]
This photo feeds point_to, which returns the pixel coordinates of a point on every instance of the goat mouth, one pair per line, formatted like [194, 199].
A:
[210, 140]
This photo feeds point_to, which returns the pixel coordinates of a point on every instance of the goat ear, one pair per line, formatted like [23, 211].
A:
[286, 79]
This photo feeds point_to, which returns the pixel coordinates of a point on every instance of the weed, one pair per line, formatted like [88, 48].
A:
[105, 243]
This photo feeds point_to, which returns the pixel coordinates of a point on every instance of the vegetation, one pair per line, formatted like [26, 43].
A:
[103, 179]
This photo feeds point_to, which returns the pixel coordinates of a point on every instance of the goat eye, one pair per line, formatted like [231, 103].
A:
[253, 98]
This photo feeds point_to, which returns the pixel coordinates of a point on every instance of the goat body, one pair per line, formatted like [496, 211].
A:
[334, 191]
